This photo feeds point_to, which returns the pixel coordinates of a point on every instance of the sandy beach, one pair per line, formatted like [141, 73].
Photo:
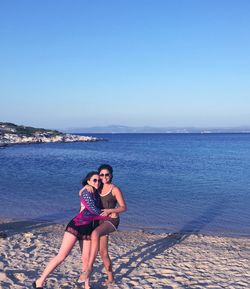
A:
[140, 259]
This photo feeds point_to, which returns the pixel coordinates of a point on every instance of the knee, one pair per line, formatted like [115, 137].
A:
[104, 254]
[95, 235]
[60, 257]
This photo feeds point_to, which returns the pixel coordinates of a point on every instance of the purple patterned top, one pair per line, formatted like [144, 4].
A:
[91, 211]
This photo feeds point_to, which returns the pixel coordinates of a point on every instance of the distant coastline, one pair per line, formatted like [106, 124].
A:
[146, 129]
[11, 133]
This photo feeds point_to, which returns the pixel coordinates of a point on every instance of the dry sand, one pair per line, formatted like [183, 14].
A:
[140, 260]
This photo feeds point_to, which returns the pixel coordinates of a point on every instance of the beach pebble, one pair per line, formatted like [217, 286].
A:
[28, 235]
[3, 276]
[20, 276]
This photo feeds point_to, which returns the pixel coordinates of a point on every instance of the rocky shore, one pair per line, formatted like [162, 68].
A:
[14, 134]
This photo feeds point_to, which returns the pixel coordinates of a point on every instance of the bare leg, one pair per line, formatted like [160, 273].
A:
[67, 244]
[85, 250]
[106, 259]
[103, 229]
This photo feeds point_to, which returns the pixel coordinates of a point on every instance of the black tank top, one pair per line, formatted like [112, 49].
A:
[108, 201]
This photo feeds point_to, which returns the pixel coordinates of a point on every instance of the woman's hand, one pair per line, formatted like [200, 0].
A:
[105, 212]
[88, 188]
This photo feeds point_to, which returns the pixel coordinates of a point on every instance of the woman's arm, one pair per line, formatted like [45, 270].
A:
[120, 200]
[89, 203]
[88, 188]
[80, 192]
[82, 207]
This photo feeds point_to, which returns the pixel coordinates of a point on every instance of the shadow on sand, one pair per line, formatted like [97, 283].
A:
[15, 227]
[12, 227]
[141, 254]
[150, 250]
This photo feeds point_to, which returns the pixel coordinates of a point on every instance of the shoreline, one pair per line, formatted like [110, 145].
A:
[140, 259]
[9, 224]
[7, 145]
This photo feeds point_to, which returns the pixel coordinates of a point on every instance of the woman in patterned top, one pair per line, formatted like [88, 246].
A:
[80, 227]
[112, 203]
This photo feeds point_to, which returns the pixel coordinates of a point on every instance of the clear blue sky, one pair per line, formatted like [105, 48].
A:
[132, 62]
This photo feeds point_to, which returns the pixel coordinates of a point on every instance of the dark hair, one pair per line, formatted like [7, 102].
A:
[88, 177]
[106, 167]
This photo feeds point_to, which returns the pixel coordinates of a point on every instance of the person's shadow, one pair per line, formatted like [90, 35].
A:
[149, 251]
[15, 227]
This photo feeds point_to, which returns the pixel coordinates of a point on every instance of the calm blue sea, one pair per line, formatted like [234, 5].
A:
[171, 182]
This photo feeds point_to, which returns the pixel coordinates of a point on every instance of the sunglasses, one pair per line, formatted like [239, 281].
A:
[104, 175]
[95, 180]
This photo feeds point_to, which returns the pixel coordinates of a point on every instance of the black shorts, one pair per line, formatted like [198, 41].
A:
[113, 221]
[82, 232]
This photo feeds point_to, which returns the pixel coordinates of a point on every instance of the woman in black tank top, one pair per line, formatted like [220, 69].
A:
[111, 196]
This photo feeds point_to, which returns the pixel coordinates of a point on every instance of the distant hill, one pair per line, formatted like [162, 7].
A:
[21, 130]
[148, 129]
[11, 133]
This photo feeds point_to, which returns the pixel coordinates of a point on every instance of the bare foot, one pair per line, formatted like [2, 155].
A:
[108, 282]
[38, 283]
[82, 280]
[84, 276]
[87, 286]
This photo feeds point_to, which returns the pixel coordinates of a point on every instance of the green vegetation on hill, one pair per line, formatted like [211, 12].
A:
[6, 127]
